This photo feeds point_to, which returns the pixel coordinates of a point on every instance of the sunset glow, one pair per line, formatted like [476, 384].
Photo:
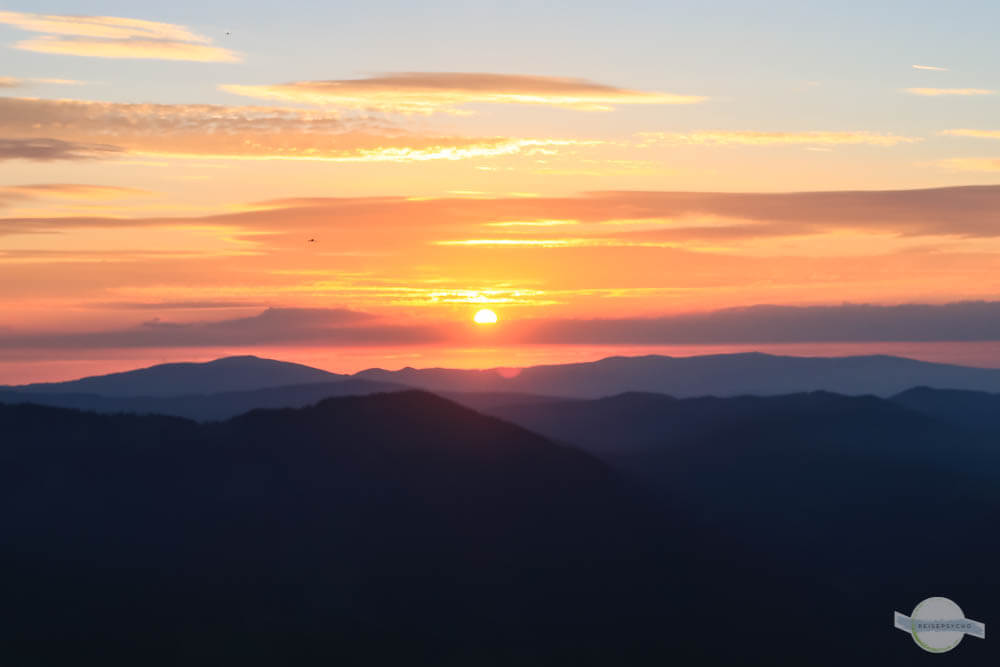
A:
[182, 183]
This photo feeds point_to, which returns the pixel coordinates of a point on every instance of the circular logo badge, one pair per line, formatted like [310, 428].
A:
[938, 625]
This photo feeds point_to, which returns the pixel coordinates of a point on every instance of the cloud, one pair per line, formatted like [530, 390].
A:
[963, 321]
[968, 211]
[979, 134]
[71, 191]
[931, 68]
[982, 164]
[429, 92]
[46, 149]
[753, 138]
[273, 326]
[253, 133]
[61, 82]
[937, 92]
[128, 48]
[176, 305]
[13, 82]
[74, 191]
[114, 37]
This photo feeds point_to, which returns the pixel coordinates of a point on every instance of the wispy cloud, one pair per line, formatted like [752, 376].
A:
[931, 68]
[961, 321]
[114, 37]
[69, 191]
[667, 217]
[978, 134]
[326, 326]
[429, 92]
[938, 92]
[983, 164]
[333, 327]
[143, 49]
[46, 149]
[248, 133]
[61, 82]
[754, 138]
[14, 82]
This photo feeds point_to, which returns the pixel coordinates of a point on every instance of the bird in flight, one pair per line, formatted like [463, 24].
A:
[312, 240]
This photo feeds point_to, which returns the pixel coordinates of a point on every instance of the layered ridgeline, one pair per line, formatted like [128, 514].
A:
[403, 527]
[833, 508]
[228, 387]
[711, 375]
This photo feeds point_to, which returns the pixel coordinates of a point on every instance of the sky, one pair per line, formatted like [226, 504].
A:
[347, 184]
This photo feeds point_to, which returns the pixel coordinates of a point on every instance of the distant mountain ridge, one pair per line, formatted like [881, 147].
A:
[712, 375]
[230, 386]
[240, 373]
[204, 407]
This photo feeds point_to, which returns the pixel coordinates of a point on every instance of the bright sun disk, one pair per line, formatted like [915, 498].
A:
[485, 316]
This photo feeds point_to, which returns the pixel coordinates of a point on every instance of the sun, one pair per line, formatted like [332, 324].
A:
[485, 316]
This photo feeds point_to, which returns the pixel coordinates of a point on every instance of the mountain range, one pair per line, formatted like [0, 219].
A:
[355, 519]
[710, 375]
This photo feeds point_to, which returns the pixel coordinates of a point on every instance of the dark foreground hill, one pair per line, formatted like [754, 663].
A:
[402, 528]
[392, 528]
[856, 504]
[975, 410]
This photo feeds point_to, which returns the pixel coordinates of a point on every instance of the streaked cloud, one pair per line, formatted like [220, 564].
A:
[249, 133]
[937, 92]
[69, 191]
[662, 216]
[114, 37]
[979, 134]
[334, 327]
[961, 321]
[45, 149]
[142, 49]
[931, 68]
[429, 92]
[61, 82]
[14, 82]
[105, 27]
[754, 138]
[983, 164]
[326, 326]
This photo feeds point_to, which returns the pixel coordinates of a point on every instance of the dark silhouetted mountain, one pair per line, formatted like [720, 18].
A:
[713, 375]
[972, 409]
[395, 527]
[205, 407]
[847, 506]
[404, 528]
[227, 374]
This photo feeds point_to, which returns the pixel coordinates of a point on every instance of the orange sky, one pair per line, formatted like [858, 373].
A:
[142, 223]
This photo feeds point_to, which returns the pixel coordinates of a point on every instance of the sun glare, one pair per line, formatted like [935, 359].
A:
[485, 316]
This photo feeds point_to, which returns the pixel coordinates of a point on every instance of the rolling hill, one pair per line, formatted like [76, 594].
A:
[221, 375]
